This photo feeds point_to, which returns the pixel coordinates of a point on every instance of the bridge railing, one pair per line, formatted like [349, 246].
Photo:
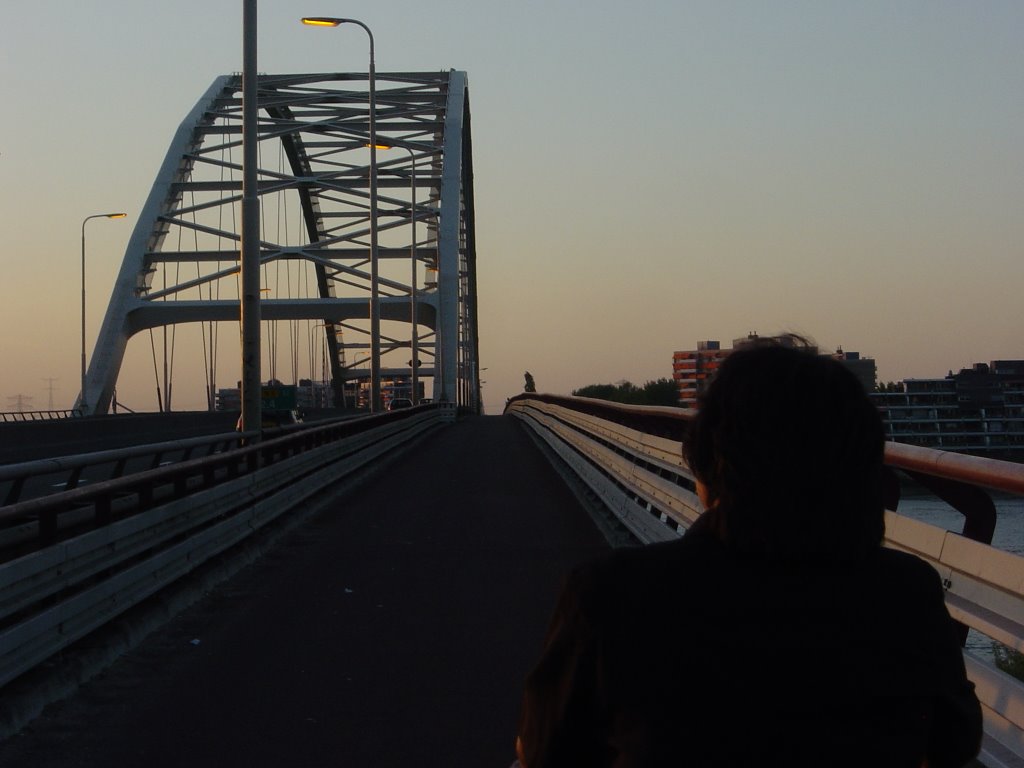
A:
[38, 415]
[66, 472]
[73, 561]
[630, 458]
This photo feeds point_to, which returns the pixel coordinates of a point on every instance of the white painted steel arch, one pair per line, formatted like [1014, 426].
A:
[182, 261]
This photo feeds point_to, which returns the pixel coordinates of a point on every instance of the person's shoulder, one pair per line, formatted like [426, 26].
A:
[625, 589]
[915, 578]
[899, 561]
[651, 561]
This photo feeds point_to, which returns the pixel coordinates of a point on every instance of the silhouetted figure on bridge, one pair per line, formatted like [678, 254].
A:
[777, 631]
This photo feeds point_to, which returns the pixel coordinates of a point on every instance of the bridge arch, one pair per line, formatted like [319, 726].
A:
[182, 261]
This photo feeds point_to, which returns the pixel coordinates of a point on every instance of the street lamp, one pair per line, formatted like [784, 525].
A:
[330, 21]
[250, 309]
[316, 399]
[412, 293]
[82, 402]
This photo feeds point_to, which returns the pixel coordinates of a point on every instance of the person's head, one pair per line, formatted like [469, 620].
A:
[789, 450]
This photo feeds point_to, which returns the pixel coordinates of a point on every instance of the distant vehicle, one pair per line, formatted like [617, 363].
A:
[278, 417]
[398, 403]
[275, 417]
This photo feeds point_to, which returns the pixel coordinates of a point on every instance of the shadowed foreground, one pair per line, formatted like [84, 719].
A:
[394, 629]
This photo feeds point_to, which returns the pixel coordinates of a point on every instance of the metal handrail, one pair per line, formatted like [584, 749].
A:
[74, 464]
[47, 415]
[82, 460]
[183, 477]
[969, 470]
[973, 470]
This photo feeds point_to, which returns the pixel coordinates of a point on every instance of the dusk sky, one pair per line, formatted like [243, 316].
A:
[647, 175]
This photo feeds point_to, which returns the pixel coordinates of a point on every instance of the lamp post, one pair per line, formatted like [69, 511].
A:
[250, 309]
[413, 365]
[82, 401]
[315, 399]
[330, 21]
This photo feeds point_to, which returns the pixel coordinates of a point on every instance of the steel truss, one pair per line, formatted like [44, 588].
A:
[182, 261]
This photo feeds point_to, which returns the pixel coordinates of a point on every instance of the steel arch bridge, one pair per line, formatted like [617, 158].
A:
[182, 262]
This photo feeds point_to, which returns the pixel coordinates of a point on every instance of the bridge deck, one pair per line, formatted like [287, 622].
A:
[394, 629]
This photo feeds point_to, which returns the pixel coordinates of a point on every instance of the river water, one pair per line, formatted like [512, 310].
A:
[1009, 534]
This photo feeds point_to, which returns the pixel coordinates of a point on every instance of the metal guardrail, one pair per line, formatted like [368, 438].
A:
[73, 561]
[68, 470]
[38, 415]
[630, 457]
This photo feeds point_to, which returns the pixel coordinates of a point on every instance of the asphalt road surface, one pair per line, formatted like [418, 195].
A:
[393, 629]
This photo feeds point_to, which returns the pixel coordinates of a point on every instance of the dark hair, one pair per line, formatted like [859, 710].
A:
[789, 448]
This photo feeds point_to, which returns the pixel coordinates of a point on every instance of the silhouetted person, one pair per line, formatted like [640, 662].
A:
[777, 631]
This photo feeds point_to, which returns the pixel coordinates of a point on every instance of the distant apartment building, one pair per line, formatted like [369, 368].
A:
[693, 369]
[979, 411]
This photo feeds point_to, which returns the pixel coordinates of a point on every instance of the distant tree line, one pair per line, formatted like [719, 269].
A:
[891, 386]
[660, 392]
